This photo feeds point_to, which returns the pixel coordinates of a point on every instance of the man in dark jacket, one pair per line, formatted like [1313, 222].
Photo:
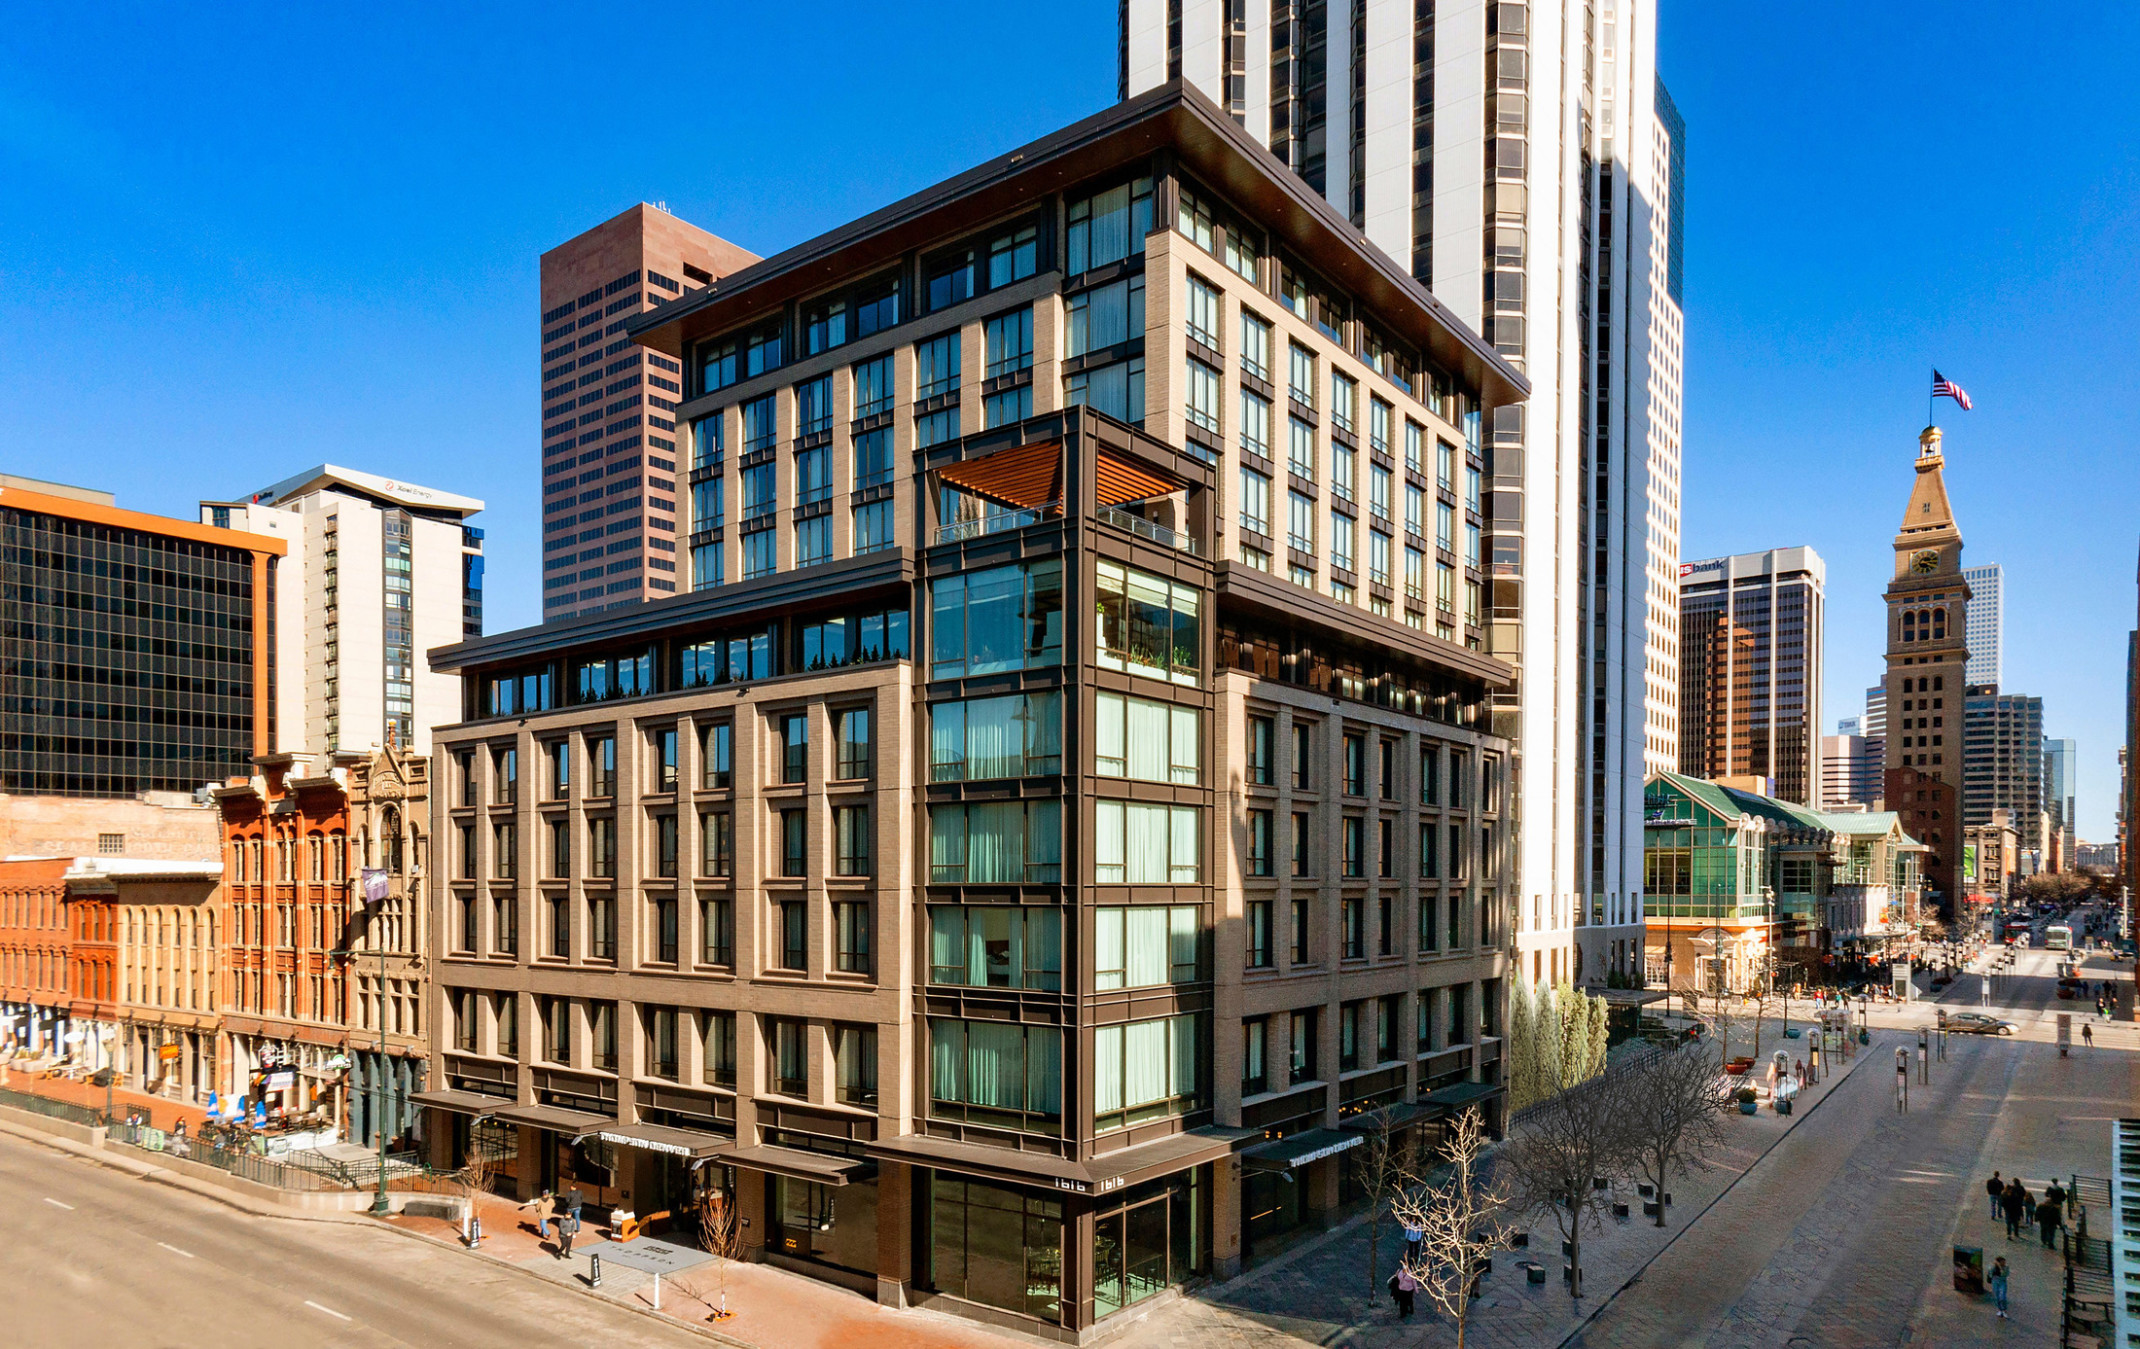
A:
[1996, 1188]
[2015, 1205]
[2048, 1220]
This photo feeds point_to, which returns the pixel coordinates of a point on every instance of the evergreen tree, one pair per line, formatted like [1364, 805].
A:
[1600, 1034]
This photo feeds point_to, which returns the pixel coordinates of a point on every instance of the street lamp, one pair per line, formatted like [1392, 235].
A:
[375, 883]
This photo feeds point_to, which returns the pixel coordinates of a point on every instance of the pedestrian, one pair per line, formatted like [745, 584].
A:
[1413, 1236]
[2014, 1203]
[544, 1205]
[1996, 1188]
[2048, 1221]
[1998, 1285]
[1403, 1287]
[568, 1226]
[2087, 1035]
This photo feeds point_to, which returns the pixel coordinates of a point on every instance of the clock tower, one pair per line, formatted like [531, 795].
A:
[1926, 656]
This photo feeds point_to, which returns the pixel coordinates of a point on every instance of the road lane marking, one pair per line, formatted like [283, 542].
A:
[329, 1310]
[175, 1250]
[56, 1204]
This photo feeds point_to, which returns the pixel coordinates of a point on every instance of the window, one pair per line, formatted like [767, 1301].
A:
[996, 1246]
[665, 845]
[1256, 437]
[602, 765]
[602, 847]
[1300, 932]
[1258, 861]
[851, 841]
[1146, 946]
[996, 946]
[996, 842]
[602, 1025]
[813, 540]
[1255, 346]
[813, 406]
[505, 1008]
[873, 458]
[1385, 927]
[1344, 402]
[1301, 1045]
[1004, 618]
[556, 1016]
[661, 912]
[709, 439]
[1109, 226]
[1008, 341]
[1385, 848]
[1429, 852]
[936, 366]
[991, 1072]
[1203, 313]
[1300, 374]
[1104, 317]
[1013, 256]
[1260, 952]
[1117, 390]
[717, 767]
[1193, 218]
[873, 527]
[1200, 398]
[813, 476]
[560, 907]
[761, 424]
[1355, 764]
[1300, 855]
[717, 931]
[1445, 465]
[948, 280]
[1262, 733]
[794, 930]
[1415, 510]
[1007, 406]
[874, 388]
[1148, 625]
[1429, 923]
[788, 1059]
[1378, 429]
[1255, 501]
[1300, 448]
[1300, 523]
[505, 775]
[560, 757]
[1146, 740]
[1415, 573]
[794, 856]
[1139, 844]
[1348, 1037]
[795, 748]
[1430, 763]
[505, 850]
[1145, 1070]
[855, 747]
[1354, 914]
[1019, 735]
[851, 937]
[601, 927]
[719, 1037]
[855, 1065]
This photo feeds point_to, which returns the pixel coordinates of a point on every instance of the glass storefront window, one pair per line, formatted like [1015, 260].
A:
[996, 1246]
[1153, 1242]
[835, 1225]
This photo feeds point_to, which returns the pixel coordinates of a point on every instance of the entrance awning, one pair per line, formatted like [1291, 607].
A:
[1457, 1095]
[1297, 1150]
[1399, 1114]
[820, 1168]
[575, 1123]
[462, 1102]
[660, 1138]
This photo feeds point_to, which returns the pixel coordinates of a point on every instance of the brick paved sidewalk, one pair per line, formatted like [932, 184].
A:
[774, 1309]
[164, 1113]
[1318, 1294]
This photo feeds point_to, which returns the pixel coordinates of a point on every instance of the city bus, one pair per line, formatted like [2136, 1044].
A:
[2058, 937]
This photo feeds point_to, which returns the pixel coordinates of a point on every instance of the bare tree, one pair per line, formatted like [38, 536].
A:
[720, 1235]
[1387, 1168]
[1563, 1149]
[1459, 1218]
[1674, 1105]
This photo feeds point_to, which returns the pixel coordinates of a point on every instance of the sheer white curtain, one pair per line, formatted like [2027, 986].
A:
[1108, 843]
[1107, 955]
[947, 742]
[947, 1042]
[995, 742]
[995, 1065]
[1183, 861]
[1147, 942]
[1112, 751]
[1149, 742]
[1044, 1071]
[1106, 1070]
[1145, 1062]
[1188, 754]
[1146, 847]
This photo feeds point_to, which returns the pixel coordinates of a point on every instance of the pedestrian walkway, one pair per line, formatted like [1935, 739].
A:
[163, 1112]
[1319, 1294]
[773, 1308]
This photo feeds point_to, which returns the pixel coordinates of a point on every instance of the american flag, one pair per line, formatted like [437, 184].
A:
[1942, 387]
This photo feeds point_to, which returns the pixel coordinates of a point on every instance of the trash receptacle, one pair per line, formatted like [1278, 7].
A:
[1969, 1269]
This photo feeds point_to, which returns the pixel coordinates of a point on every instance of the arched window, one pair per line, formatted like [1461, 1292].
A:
[390, 840]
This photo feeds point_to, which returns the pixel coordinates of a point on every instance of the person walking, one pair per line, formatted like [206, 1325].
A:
[2015, 1206]
[1413, 1237]
[544, 1205]
[568, 1224]
[1998, 1286]
[2049, 1218]
[1996, 1188]
[2087, 1035]
[1403, 1288]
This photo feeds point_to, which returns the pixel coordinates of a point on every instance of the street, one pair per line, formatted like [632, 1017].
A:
[1841, 1236]
[102, 1258]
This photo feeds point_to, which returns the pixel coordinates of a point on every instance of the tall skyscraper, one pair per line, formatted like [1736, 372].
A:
[1875, 724]
[609, 408]
[1849, 771]
[378, 572]
[1987, 622]
[2002, 748]
[2061, 762]
[1926, 654]
[1751, 636]
[1520, 161]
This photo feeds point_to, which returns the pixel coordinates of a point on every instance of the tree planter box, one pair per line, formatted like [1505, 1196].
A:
[1519, 1241]
[1649, 1209]
[1646, 1190]
[1567, 1248]
[1535, 1274]
[1620, 1211]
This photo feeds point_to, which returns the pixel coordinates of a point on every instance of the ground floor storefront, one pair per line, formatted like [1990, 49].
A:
[38, 1030]
[172, 1056]
[379, 1092]
[1709, 957]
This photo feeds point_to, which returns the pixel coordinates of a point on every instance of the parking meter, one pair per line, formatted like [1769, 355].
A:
[1902, 1079]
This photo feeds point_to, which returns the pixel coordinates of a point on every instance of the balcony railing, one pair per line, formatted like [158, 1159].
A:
[1145, 529]
[996, 522]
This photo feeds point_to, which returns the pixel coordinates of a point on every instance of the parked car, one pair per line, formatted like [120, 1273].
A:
[1978, 1023]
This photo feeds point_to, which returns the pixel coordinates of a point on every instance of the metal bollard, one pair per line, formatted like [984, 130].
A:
[594, 1269]
[475, 1230]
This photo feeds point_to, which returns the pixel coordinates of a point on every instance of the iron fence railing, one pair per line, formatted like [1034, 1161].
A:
[51, 1109]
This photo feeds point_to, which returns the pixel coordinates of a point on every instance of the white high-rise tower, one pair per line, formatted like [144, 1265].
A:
[1984, 626]
[1518, 160]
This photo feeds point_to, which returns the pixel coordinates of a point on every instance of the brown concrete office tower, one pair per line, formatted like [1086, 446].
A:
[609, 408]
[1751, 631]
[1055, 814]
[1927, 652]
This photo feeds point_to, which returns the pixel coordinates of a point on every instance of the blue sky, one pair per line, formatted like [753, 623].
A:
[234, 248]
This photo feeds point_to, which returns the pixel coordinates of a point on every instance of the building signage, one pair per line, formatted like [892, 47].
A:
[281, 1081]
[373, 885]
[167, 1051]
[1326, 1151]
[626, 1140]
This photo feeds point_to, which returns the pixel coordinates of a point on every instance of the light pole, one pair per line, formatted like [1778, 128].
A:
[375, 883]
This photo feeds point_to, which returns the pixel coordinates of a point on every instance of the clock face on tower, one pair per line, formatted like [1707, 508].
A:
[1925, 563]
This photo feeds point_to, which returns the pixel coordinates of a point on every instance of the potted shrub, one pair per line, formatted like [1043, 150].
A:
[1746, 1097]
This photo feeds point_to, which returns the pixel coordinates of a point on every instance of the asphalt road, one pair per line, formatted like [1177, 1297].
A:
[1842, 1236]
[101, 1258]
